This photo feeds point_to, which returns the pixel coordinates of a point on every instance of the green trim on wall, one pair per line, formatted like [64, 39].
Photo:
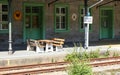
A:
[106, 8]
[68, 17]
[3, 22]
[3, 1]
[3, 31]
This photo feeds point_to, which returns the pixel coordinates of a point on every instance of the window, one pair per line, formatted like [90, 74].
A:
[31, 15]
[3, 17]
[82, 14]
[61, 18]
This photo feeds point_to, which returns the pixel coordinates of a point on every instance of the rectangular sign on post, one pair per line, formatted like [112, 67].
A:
[88, 19]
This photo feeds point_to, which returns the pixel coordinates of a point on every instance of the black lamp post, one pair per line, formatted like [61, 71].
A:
[10, 26]
[86, 7]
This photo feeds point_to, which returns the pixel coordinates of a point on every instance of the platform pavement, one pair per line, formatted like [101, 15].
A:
[24, 57]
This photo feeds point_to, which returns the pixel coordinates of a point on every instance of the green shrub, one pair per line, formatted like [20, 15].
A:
[95, 54]
[84, 55]
[79, 68]
[71, 57]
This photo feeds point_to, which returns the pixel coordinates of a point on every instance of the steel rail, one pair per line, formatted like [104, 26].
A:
[27, 72]
[56, 68]
[31, 66]
[51, 64]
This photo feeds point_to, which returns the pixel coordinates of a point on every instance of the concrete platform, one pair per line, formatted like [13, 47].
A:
[24, 57]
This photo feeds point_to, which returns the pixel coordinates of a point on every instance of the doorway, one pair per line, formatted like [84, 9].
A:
[33, 21]
[106, 23]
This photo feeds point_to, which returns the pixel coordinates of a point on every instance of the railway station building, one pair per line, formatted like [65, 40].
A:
[46, 19]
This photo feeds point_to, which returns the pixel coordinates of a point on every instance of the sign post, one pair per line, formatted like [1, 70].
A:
[88, 20]
[86, 25]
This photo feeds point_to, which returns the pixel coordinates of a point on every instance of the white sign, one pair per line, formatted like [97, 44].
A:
[88, 19]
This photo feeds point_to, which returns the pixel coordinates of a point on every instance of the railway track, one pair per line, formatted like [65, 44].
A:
[52, 67]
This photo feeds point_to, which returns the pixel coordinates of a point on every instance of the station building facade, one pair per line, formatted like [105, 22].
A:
[46, 19]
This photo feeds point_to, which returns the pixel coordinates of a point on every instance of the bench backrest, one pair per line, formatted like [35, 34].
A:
[58, 41]
[31, 42]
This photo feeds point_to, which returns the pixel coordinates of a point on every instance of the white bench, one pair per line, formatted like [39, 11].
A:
[35, 45]
[41, 46]
[48, 45]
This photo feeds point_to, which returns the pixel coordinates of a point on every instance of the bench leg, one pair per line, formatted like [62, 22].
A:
[58, 48]
[29, 48]
[39, 49]
[49, 48]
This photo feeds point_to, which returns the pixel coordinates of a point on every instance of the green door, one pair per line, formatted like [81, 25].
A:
[33, 22]
[106, 21]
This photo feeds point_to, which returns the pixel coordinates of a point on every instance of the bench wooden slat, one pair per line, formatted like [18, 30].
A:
[57, 45]
[58, 39]
[57, 42]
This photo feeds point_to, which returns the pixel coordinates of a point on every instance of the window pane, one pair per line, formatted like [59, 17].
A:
[63, 10]
[57, 22]
[27, 10]
[4, 26]
[82, 11]
[4, 17]
[57, 19]
[63, 19]
[35, 21]
[27, 23]
[35, 9]
[57, 10]
[4, 8]
[62, 25]
[82, 22]
[57, 25]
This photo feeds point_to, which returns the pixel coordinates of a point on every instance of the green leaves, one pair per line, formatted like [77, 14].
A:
[79, 68]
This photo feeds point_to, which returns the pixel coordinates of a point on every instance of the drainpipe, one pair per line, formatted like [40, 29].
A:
[10, 26]
[87, 13]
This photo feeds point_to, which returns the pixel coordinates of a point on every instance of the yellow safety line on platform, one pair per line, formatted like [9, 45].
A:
[8, 62]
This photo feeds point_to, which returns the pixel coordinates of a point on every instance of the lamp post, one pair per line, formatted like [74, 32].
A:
[86, 25]
[10, 26]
